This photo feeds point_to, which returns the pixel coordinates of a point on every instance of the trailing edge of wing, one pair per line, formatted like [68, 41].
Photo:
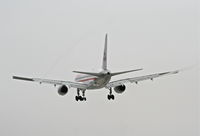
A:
[54, 82]
[137, 79]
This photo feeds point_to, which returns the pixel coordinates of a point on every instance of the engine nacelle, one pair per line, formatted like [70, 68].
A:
[62, 90]
[120, 89]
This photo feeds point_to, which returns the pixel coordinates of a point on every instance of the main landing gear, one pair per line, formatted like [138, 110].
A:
[81, 98]
[110, 95]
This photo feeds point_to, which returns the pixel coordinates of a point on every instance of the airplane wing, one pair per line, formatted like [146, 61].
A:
[54, 82]
[137, 79]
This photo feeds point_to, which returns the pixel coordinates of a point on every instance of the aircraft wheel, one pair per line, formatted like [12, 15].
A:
[84, 98]
[113, 97]
[76, 98]
[108, 97]
[81, 98]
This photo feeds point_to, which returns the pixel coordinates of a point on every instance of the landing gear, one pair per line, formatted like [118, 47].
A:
[110, 95]
[81, 98]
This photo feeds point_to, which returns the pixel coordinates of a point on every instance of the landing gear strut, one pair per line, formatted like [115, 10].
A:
[81, 98]
[110, 95]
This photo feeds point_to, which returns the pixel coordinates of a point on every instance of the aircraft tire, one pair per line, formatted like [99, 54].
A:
[112, 97]
[81, 98]
[84, 98]
[76, 98]
[108, 97]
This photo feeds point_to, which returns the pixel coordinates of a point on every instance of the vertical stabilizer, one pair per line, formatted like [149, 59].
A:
[104, 65]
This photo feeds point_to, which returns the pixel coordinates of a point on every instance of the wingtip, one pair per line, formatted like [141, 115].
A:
[175, 72]
[138, 69]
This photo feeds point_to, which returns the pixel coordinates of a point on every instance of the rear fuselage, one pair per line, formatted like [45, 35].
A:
[94, 82]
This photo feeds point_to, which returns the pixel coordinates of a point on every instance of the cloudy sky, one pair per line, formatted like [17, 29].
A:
[51, 38]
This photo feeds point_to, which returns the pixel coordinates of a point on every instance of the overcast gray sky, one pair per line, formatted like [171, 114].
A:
[51, 38]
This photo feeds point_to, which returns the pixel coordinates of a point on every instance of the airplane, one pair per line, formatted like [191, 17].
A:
[91, 80]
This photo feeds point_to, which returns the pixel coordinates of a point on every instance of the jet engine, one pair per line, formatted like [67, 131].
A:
[120, 89]
[62, 90]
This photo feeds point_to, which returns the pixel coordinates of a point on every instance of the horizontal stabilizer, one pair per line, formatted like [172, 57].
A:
[88, 73]
[123, 72]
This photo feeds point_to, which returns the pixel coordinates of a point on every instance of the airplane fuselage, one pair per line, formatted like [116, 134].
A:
[94, 82]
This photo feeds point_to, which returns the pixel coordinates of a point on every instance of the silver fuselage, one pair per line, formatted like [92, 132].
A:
[94, 82]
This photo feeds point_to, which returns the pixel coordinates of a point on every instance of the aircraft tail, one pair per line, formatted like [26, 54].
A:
[104, 64]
